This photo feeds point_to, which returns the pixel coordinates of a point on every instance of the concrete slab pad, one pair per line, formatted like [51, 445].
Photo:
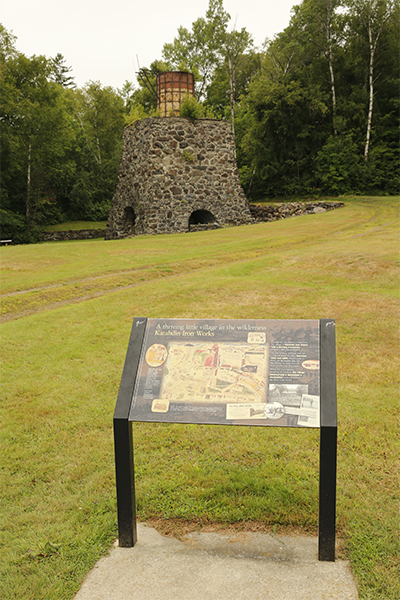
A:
[218, 566]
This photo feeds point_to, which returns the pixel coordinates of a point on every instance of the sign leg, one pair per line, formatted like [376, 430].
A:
[327, 494]
[125, 479]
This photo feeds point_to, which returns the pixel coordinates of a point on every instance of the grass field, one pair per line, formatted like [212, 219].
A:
[67, 310]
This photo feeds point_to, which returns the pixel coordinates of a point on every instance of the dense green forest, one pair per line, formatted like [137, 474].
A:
[315, 111]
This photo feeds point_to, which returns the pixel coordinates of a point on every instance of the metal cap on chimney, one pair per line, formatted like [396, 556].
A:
[172, 88]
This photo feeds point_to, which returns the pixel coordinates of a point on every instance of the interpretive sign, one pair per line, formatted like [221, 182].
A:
[249, 372]
[229, 372]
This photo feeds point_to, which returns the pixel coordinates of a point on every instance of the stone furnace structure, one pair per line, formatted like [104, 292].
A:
[175, 176]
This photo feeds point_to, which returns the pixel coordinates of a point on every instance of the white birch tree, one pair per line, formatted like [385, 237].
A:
[373, 16]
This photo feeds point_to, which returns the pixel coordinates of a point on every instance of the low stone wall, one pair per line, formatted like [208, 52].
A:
[274, 212]
[78, 234]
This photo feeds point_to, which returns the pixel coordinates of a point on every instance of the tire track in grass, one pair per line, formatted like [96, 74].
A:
[16, 305]
[19, 304]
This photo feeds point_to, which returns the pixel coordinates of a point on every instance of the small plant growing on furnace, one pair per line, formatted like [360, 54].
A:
[188, 156]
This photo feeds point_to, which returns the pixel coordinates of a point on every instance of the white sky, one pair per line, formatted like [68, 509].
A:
[100, 40]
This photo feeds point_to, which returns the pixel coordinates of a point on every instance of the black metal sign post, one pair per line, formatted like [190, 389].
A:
[264, 373]
[328, 443]
[123, 444]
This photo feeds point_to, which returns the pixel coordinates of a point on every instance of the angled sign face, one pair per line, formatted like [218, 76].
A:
[247, 372]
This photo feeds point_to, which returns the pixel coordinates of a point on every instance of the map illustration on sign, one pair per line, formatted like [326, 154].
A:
[215, 372]
[229, 372]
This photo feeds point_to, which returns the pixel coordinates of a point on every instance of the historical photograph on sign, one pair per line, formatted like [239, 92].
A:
[229, 372]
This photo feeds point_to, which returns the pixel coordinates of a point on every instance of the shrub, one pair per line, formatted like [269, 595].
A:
[191, 109]
[14, 227]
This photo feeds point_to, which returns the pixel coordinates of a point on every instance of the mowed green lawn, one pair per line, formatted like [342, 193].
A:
[67, 311]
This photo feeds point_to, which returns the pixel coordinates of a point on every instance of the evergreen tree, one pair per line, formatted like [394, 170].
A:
[59, 72]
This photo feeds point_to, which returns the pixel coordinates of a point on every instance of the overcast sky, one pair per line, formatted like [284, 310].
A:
[100, 40]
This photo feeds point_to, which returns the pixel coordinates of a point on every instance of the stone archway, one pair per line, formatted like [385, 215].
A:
[201, 217]
[129, 219]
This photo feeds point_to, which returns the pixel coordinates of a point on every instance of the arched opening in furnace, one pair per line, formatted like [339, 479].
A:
[129, 218]
[201, 217]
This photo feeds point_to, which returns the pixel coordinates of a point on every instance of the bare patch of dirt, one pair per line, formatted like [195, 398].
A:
[178, 528]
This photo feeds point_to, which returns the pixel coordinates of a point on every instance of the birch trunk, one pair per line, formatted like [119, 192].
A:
[330, 61]
[372, 48]
[28, 186]
[374, 16]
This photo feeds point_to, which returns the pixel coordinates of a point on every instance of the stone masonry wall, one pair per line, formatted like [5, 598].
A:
[72, 234]
[176, 175]
[274, 212]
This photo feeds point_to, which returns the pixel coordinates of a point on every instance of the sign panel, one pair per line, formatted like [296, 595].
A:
[252, 372]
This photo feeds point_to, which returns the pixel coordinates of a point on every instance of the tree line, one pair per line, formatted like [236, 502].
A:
[315, 111]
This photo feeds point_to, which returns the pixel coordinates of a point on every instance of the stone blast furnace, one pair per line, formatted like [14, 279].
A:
[177, 176]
